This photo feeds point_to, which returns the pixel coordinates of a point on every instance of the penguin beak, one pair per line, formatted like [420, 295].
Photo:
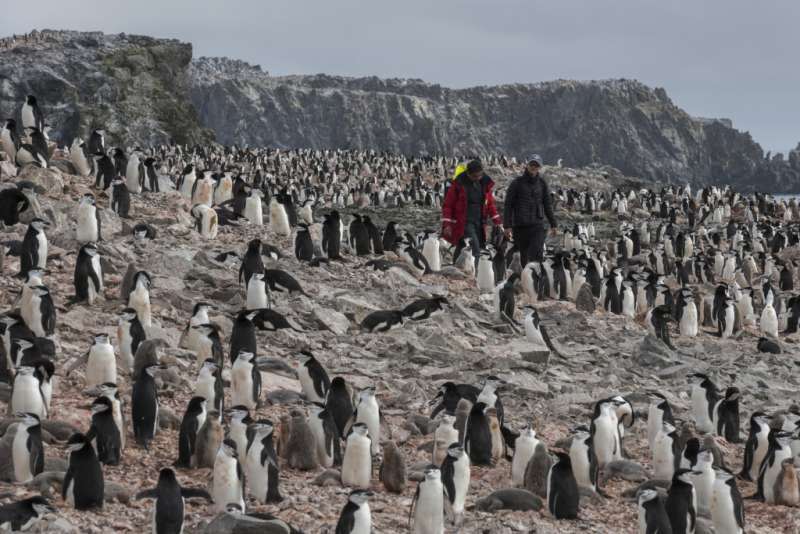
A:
[434, 401]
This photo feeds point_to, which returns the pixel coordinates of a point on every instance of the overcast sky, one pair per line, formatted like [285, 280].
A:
[716, 58]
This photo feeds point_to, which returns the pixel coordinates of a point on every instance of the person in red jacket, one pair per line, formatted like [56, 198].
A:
[467, 206]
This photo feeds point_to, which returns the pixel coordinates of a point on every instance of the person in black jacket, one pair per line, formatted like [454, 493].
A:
[527, 205]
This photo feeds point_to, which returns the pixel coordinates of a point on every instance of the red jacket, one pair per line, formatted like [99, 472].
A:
[454, 209]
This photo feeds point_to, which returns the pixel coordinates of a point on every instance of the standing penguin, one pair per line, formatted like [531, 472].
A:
[279, 219]
[478, 438]
[111, 392]
[88, 279]
[658, 413]
[101, 365]
[584, 460]
[355, 517]
[368, 412]
[39, 312]
[130, 335]
[756, 446]
[193, 420]
[605, 433]
[83, 482]
[326, 436]
[253, 210]
[444, 436]
[430, 249]
[209, 344]
[88, 230]
[261, 464]
[34, 247]
[563, 497]
[31, 114]
[251, 262]
[257, 293]
[209, 385]
[485, 272]
[104, 433]
[653, 518]
[332, 236]
[139, 298]
[680, 503]
[245, 381]
[227, 478]
[666, 451]
[704, 397]
[339, 403]
[455, 474]
[27, 451]
[727, 508]
[303, 245]
[779, 450]
[238, 429]
[206, 221]
[21, 515]
[427, 507]
[357, 460]
[726, 416]
[144, 406]
[313, 378]
[168, 512]
[243, 335]
[120, 198]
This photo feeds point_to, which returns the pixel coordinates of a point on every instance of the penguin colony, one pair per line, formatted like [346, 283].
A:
[707, 264]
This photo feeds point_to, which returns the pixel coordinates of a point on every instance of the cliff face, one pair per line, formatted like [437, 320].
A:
[146, 90]
[133, 86]
[616, 122]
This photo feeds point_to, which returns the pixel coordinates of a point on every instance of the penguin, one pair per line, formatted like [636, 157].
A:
[326, 436]
[31, 114]
[104, 434]
[303, 245]
[101, 365]
[357, 460]
[238, 429]
[89, 228]
[227, 482]
[478, 438]
[83, 482]
[769, 318]
[203, 190]
[39, 312]
[680, 503]
[778, 451]
[313, 378]
[262, 464]
[9, 139]
[340, 404]
[279, 219]
[13, 203]
[444, 436]
[368, 412]
[703, 479]
[306, 212]
[658, 413]
[209, 385]
[425, 308]
[77, 155]
[485, 277]
[209, 344]
[355, 517]
[186, 181]
[27, 451]
[727, 508]
[253, 210]
[524, 449]
[191, 338]
[787, 484]
[382, 321]
[193, 420]
[726, 416]
[359, 236]
[23, 515]
[666, 451]
[430, 249]
[301, 451]
[24, 352]
[768, 345]
[756, 446]
[415, 260]
[279, 280]
[563, 497]
[451, 394]
[245, 381]
[26, 392]
[97, 141]
[111, 392]
[34, 247]
[144, 406]
[653, 518]
[604, 432]
[88, 279]
[144, 231]
[139, 298]
[120, 198]
[130, 335]
[332, 237]
[704, 397]
[134, 174]
[535, 331]
[427, 506]
[168, 511]
[455, 475]
[243, 335]
[206, 221]
[584, 460]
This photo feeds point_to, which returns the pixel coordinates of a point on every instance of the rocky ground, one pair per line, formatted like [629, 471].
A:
[600, 355]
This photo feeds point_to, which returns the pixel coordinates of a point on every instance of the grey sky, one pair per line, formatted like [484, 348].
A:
[716, 58]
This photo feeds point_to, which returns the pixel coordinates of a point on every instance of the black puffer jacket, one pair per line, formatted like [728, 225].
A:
[528, 202]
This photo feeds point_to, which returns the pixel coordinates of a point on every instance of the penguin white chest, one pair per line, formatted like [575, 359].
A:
[485, 275]
[357, 462]
[87, 224]
[226, 486]
[606, 439]
[278, 219]
[242, 384]
[524, 448]
[431, 252]
[27, 396]
[31, 312]
[41, 260]
[139, 300]
[362, 520]
[429, 514]
[101, 366]
[257, 474]
[688, 324]
[369, 414]
[256, 294]
[21, 456]
[205, 385]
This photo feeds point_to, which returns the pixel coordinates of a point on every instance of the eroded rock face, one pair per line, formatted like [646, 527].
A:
[133, 86]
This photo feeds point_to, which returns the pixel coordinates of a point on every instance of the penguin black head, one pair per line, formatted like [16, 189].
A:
[88, 198]
[108, 388]
[360, 429]
[166, 476]
[28, 419]
[45, 367]
[89, 249]
[144, 278]
[41, 291]
[432, 472]
[455, 450]
[685, 476]
[238, 412]
[359, 497]
[128, 314]
[77, 442]
[647, 496]
[100, 339]
[100, 405]
[39, 224]
[732, 394]
[229, 448]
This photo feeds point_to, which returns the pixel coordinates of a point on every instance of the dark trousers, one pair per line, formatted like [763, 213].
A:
[474, 232]
[530, 243]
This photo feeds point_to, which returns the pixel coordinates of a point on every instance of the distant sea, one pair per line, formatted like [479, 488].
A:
[788, 196]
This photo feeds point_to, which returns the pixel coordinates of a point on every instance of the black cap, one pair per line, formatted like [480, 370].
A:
[474, 166]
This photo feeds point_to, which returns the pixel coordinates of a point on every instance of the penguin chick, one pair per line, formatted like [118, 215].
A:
[393, 468]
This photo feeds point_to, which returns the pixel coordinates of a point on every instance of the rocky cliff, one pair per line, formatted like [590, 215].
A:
[135, 87]
[145, 90]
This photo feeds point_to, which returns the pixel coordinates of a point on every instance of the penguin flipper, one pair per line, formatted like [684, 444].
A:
[194, 493]
[151, 493]
[410, 512]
